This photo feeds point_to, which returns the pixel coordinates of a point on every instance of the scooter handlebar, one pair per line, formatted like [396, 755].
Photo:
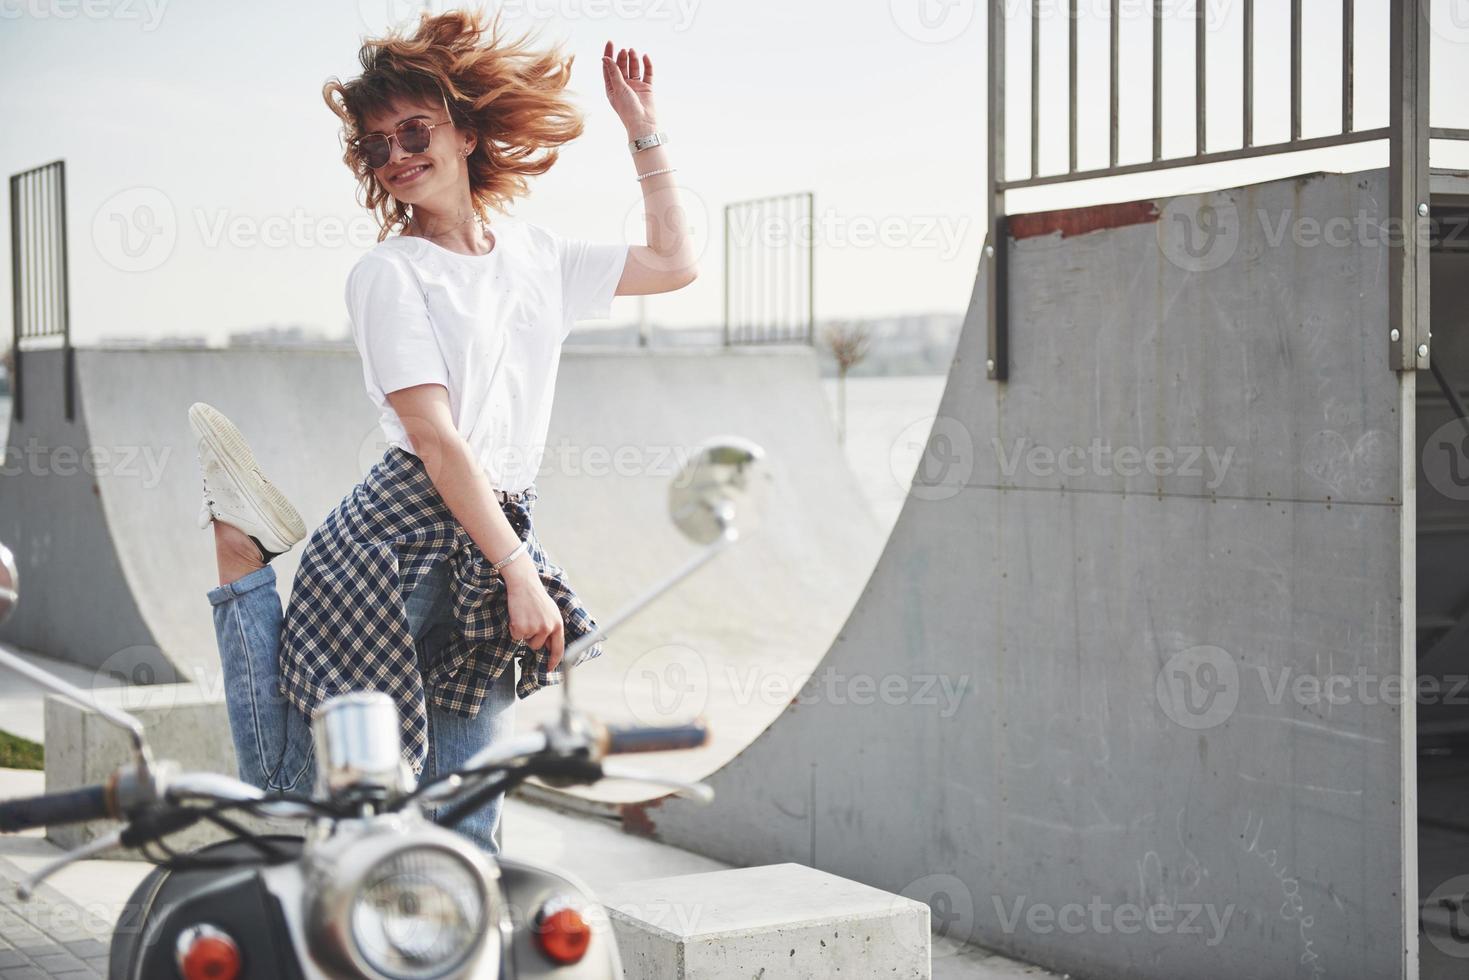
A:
[621, 740]
[54, 809]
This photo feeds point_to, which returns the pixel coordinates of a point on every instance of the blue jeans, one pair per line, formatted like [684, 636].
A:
[273, 738]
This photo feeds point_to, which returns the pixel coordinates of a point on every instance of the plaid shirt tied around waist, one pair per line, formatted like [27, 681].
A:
[346, 628]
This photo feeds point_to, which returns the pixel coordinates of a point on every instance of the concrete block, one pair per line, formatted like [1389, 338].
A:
[184, 724]
[775, 922]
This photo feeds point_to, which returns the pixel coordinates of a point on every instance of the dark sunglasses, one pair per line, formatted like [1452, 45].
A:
[413, 136]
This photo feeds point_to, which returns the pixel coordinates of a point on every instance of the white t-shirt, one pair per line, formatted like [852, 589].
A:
[489, 328]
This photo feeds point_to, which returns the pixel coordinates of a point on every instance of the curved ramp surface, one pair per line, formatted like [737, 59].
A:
[1057, 707]
[115, 571]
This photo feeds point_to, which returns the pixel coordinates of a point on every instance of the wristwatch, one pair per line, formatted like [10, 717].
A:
[648, 142]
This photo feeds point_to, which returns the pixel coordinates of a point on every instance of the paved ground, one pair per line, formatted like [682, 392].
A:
[62, 932]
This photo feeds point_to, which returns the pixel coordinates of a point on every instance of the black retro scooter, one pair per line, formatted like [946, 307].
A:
[374, 889]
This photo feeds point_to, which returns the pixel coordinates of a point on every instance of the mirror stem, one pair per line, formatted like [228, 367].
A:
[76, 695]
[573, 652]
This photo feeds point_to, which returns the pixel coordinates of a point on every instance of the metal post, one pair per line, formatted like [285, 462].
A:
[1035, 88]
[1295, 70]
[993, 262]
[1157, 79]
[1348, 62]
[1115, 29]
[17, 403]
[1071, 62]
[67, 359]
[726, 275]
[1249, 73]
[1200, 79]
[811, 269]
[1408, 190]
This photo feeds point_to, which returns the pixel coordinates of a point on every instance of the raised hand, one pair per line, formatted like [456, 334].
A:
[629, 84]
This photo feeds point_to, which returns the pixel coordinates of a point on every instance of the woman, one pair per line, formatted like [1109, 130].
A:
[428, 580]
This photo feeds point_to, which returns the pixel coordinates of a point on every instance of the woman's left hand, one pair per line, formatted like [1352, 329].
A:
[629, 83]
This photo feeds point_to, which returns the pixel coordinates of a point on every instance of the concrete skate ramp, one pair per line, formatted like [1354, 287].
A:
[1069, 706]
[115, 571]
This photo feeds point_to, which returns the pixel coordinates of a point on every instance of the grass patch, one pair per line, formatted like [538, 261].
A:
[20, 753]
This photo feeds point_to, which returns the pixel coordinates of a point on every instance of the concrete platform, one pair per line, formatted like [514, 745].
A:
[778, 920]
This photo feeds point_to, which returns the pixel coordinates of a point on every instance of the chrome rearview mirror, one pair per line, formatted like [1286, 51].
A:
[716, 487]
[9, 583]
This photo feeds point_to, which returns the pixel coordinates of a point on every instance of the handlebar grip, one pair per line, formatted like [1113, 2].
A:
[656, 738]
[72, 806]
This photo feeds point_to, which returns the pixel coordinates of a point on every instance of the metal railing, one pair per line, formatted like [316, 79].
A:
[1408, 132]
[39, 287]
[769, 271]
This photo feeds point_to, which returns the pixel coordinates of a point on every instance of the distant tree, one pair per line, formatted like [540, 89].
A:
[848, 344]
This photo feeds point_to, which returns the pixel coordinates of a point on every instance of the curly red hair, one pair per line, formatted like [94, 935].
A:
[509, 95]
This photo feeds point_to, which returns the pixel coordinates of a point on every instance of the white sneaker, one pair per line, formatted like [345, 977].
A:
[235, 491]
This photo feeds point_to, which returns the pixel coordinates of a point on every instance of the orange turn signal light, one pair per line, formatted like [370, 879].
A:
[207, 953]
[563, 934]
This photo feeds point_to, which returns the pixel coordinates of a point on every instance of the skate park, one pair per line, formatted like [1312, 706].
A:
[1183, 535]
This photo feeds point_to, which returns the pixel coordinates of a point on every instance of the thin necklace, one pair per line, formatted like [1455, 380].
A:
[455, 227]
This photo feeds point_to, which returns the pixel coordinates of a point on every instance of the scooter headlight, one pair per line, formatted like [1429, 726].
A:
[418, 914]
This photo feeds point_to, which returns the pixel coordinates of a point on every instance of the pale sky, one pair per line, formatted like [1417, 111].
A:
[202, 121]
